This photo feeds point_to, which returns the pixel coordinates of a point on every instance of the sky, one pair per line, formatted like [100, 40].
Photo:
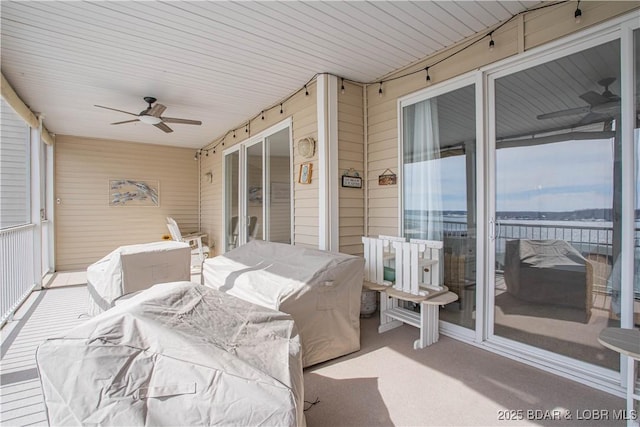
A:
[556, 177]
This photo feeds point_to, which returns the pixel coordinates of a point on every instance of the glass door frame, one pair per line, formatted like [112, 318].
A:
[467, 79]
[241, 148]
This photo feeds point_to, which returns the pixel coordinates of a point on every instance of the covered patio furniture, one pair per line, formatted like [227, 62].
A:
[132, 268]
[177, 354]
[321, 290]
[548, 272]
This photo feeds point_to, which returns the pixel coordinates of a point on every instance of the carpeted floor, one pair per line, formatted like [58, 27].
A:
[450, 383]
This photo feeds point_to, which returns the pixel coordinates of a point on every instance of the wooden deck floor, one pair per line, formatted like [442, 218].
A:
[47, 313]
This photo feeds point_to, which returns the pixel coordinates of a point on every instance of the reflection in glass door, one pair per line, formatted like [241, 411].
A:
[254, 192]
[231, 198]
[558, 204]
[278, 179]
[257, 199]
[439, 198]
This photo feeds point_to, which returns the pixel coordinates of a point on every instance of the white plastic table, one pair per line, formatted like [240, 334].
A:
[627, 342]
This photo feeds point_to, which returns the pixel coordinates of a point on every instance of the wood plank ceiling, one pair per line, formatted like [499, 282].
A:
[218, 62]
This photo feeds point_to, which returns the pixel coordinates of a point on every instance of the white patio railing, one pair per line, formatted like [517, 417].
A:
[16, 268]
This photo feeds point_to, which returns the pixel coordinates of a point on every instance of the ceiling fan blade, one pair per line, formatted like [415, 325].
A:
[594, 98]
[164, 127]
[594, 118]
[156, 110]
[611, 107]
[126, 121]
[115, 109]
[563, 113]
[182, 121]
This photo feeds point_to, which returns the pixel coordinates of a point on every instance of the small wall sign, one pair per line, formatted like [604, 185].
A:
[387, 178]
[351, 179]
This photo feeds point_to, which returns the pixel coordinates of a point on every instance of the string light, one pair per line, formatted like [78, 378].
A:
[246, 128]
[578, 13]
[207, 153]
[196, 156]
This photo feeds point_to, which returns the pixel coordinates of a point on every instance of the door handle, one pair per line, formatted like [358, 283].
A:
[492, 229]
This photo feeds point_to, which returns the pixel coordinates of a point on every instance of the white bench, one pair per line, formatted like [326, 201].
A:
[417, 279]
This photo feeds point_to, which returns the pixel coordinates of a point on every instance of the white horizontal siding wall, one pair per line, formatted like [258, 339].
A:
[306, 197]
[351, 156]
[87, 228]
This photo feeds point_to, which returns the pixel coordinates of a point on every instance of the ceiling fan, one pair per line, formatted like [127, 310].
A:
[152, 116]
[602, 106]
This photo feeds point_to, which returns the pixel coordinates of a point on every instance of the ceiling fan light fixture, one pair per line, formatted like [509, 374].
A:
[152, 115]
[150, 120]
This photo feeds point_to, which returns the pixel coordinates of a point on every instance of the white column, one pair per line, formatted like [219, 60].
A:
[36, 204]
[328, 175]
[50, 206]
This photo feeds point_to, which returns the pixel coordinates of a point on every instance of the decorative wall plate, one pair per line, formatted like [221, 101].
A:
[306, 147]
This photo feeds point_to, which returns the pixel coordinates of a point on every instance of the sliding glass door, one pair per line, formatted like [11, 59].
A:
[536, 163]
[555, 226]
[439, 180]
[258, 189]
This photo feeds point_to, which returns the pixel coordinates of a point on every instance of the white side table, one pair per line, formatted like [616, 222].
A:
[627, 342]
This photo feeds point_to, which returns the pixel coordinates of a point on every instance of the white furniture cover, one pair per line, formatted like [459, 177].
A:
[133, 268]
[177, 354]
[319, 289]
